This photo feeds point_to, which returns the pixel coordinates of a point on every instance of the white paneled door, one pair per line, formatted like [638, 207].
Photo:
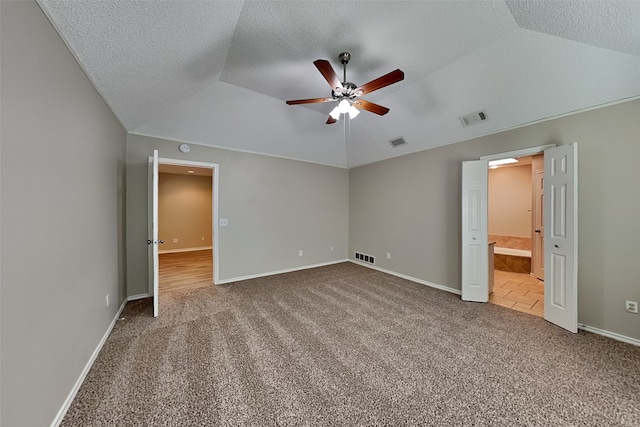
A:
[475, 250]
[561, 237]
[152, 240]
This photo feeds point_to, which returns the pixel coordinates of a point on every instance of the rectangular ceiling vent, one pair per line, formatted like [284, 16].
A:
[398, 141]
[474, 118]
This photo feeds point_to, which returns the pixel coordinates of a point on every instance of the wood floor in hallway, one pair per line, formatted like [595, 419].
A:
[183, 270]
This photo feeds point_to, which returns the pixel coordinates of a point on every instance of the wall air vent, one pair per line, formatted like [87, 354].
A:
[474, 118]
[365, 258]
[397, 141]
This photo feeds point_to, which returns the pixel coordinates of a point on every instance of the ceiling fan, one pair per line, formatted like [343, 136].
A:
[348, 94]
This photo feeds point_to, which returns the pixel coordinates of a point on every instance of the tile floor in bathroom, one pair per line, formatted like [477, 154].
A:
[518, 291]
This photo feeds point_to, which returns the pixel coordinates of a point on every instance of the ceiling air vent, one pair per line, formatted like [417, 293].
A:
[397, 141]
[474, 118]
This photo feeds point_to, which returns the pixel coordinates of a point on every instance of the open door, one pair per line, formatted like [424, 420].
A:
[152, 241]
[561, 237]
[475, 250]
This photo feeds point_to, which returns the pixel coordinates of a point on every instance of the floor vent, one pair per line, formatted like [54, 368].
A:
[365, 258]
[474, 118]
[397, 141]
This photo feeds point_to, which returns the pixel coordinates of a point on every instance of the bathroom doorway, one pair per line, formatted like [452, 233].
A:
[516, 227]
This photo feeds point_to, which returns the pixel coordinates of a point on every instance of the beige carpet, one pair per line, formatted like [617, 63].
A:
[346, 345]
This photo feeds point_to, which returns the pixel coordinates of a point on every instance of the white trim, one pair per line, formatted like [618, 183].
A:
[76, 387]
[173, 251]
[272, 273]
[609, 334]
[220, 147]
[518, 153]
[138, 296]
[410, 278]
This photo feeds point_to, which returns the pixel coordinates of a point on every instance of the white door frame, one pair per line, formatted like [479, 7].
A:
[214, 200]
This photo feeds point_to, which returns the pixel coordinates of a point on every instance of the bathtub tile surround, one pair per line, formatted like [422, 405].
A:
[515, 264]
[512, 242]
[508, 262]
[519, 292]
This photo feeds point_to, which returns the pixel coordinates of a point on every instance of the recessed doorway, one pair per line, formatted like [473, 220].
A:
[515, 231]
[185, 225]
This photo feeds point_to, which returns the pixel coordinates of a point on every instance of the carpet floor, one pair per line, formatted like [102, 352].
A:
[346, 345]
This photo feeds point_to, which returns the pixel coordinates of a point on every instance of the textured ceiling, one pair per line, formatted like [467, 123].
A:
[218, 72]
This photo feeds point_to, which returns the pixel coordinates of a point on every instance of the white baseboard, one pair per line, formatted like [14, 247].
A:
[609, 334]
[173, 251]
[404, 276]
[139, 296]
[272, 273]
[76, 387]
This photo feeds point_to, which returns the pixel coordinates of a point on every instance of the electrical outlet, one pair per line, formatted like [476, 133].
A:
[175, 240]
[300, 252]
[388, 255]
[107, 298]
[331, 249]
[224, 222]
[631, 306]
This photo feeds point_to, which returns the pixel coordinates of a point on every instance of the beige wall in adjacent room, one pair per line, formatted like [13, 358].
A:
[184, 211]
[274, 206]
[510, 201]
[410, 206]
[62, 249]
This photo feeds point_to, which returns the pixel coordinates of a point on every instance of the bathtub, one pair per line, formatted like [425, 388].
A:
[514, 260]
[512, 252]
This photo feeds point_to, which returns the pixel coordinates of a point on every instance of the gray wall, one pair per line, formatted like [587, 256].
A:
[62, 182]
[274, 206]
[410, 206]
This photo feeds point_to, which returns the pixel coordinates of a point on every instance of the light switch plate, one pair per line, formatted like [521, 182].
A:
[224, 222]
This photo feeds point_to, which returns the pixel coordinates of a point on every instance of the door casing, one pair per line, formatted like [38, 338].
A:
[214, 210]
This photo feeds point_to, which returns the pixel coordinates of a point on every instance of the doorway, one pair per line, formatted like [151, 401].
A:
[515, 231]
[185, 225]
[560, 232]
[154, 241]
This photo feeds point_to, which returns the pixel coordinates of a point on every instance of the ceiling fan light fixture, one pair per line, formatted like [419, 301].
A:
[353, 112]
[335, 113]
[343, 106]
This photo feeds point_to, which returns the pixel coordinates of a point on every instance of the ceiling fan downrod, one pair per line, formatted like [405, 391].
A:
[344, 59]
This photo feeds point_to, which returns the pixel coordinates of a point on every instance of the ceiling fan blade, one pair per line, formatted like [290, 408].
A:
[331, 120]
[310, 101]
[370, 106]
[327, 72]
[386, 80]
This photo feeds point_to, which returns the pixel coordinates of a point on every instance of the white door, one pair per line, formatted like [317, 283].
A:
[475, 251]
[560, 236]
[152, 241]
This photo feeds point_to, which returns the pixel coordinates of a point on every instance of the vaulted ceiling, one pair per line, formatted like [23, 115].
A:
[218, 72]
